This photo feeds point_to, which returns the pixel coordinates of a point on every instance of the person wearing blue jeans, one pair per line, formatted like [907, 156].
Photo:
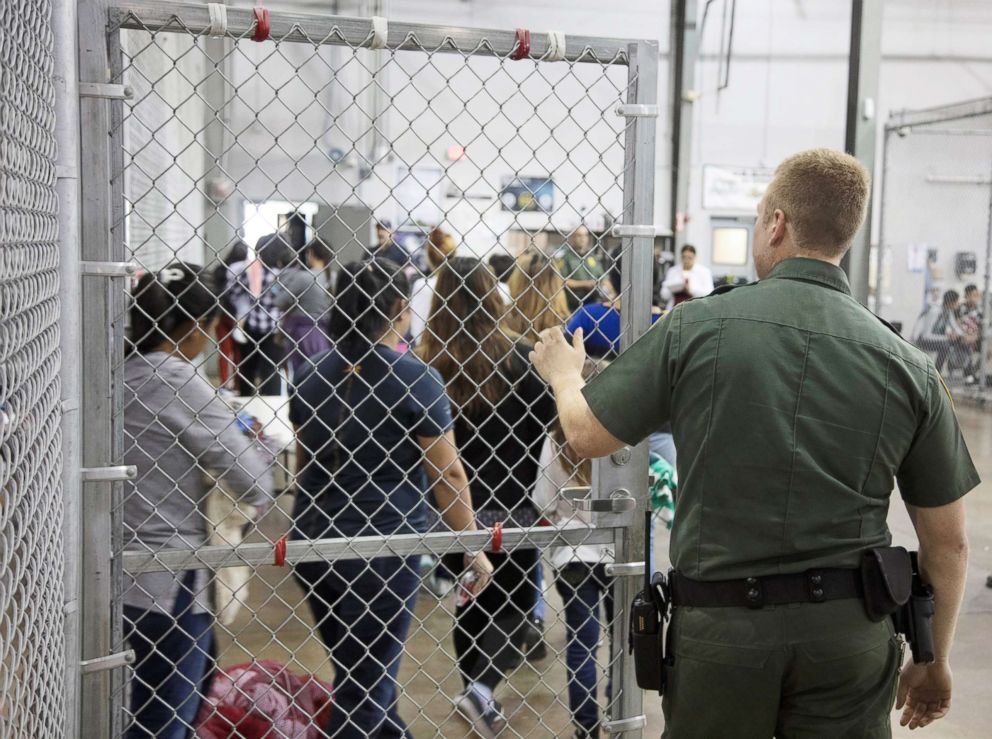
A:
[580, 580]
[172, 654]
[363, 611]
[583, 587]
[176, 428]
[374, 437]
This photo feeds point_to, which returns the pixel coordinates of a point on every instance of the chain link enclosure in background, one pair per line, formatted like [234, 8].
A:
[324, 126]
[32, 646]
[936, 216]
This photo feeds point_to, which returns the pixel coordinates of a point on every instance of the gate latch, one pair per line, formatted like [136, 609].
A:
[620, 501]
[110, 662]
[625, 724]
[624, 569]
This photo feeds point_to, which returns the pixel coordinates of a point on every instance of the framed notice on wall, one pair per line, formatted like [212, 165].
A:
[734, 189]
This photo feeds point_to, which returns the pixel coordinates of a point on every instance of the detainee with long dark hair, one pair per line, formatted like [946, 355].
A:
[374, 433]
[502, 412]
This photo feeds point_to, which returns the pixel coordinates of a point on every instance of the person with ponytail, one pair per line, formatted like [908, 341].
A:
[502, 412]
[178, 434]
[374, 435]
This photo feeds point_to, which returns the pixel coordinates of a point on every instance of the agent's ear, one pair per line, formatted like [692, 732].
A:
[778, 229]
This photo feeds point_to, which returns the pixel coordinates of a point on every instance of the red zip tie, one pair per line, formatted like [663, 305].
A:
[497, 545]
[262, 26]
[280, 551]
[523, 45]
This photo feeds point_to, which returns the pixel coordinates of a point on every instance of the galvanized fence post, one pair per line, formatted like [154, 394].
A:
[626, 714]
[67, 135]
[102, 339]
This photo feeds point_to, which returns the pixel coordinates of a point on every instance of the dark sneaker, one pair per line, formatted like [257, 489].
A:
[487, 723]
[533, 644]
[586, 733]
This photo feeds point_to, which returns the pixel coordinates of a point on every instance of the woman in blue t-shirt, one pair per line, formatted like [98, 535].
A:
[374, 433]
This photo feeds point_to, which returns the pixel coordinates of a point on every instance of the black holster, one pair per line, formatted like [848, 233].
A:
[893, 587]
[915, 619]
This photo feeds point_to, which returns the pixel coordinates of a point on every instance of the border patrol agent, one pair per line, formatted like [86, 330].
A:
[794, 409]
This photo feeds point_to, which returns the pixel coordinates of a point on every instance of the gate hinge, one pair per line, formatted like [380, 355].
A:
[110, 662]
[620, 231]
[625, 724]
[108, 269]
[635, 110]
[624, 569]
[106, 90]
[108, 474]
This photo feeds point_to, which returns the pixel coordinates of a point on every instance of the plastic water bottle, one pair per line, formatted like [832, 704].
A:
[466, 589]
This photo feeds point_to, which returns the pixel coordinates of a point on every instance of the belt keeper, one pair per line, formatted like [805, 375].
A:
[497, 534]
[262, 25]
[279, 548]
[522, 50]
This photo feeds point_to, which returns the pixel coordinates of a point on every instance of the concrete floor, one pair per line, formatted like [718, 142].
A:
[534, 698]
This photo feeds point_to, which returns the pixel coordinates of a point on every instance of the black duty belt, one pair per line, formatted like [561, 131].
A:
[812, 586]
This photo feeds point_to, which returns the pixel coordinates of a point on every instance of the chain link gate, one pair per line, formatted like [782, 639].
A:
[936, 237]
[221, 119]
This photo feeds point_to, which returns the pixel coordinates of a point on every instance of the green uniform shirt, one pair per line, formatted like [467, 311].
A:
[793, 409]
[581, 267]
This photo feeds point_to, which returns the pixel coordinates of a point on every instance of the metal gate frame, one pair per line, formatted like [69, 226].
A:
[103, 254]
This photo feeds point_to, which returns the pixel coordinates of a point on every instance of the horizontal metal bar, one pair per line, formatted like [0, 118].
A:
[360, 547]
[625, 724]
[950, 179]
[108, 474]
[107, 90]
[939, 114]
[620, 231]
[110, 662]
[624, 569]
[357, 32]
[635, 110]
[108, 269]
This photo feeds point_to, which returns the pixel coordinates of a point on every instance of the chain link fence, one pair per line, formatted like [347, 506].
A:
[348, 233]
[32, 646]
[936, 237]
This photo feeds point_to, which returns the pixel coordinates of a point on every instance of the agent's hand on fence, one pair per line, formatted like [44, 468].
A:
[479, 563]
[555, 359]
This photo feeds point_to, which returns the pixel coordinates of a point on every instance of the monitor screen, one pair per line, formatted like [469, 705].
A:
[730, 246]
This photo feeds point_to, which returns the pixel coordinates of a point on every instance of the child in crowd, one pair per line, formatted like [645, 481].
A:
[179, 435]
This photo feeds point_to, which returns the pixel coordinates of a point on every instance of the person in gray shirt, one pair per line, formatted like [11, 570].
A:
[182, 438]
[304, 298]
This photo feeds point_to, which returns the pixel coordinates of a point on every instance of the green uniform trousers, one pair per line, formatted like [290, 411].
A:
[800, 671]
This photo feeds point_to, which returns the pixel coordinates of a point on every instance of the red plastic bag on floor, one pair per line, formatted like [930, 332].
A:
[263, 700]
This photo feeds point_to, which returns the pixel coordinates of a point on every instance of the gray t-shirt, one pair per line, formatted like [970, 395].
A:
[303, 291]
[181, 437]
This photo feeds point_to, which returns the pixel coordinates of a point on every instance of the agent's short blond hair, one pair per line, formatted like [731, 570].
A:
[823, 194]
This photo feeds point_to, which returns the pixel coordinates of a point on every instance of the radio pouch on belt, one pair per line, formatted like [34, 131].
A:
[647, 623]
[887, 579]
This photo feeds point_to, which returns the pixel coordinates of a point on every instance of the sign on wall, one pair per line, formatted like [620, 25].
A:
[521, 194]
[734, 188]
